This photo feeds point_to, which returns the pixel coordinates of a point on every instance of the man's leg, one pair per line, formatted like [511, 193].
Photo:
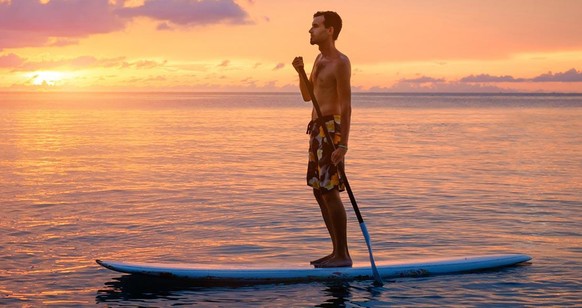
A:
[338, 226]
[325, 213]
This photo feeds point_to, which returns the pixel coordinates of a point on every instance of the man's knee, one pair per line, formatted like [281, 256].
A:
[330, 196]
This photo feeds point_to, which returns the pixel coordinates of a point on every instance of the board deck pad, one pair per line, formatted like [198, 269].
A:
[392, 269]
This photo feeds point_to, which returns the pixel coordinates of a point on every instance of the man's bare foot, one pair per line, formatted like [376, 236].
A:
[335, 262]
[321, 260]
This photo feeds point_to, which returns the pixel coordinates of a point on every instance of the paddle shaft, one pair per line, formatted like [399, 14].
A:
[343, 176]
[330, 140]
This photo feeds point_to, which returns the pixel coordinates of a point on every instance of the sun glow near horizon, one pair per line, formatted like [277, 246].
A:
[49, 78]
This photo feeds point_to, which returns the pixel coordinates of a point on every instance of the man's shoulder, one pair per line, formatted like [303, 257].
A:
[342, 64]
[343, 60]
[343, 57]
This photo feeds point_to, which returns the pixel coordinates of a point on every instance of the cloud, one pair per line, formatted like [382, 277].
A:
[59, 17]
[224, 63]
[189, 13]
[59, 42]
[147, 64]
[150, 79]
[440, 87]
[569, 76]
[489, 78]
[32, 23]
[17, 39]
[82, 62]
[164, 26]
[10, 61]
[483, 83]
[422, 79]
[279, 66]
[17, 63]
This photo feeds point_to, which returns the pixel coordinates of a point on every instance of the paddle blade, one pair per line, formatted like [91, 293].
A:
[377, 279]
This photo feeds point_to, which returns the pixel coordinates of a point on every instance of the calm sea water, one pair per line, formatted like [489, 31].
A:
[219, 179]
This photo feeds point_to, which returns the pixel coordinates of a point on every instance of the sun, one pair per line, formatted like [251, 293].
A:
[46, 78]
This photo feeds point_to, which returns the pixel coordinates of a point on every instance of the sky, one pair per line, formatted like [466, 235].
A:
[248, 45]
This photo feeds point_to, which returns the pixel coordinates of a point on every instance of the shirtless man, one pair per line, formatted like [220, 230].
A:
[330, 77]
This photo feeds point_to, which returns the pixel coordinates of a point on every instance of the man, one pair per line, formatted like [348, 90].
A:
[330, 78]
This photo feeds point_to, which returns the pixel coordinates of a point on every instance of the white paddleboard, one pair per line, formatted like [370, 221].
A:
[400, 268]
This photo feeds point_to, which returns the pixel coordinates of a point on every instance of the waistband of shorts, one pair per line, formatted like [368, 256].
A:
[319, 121]
[327, 118]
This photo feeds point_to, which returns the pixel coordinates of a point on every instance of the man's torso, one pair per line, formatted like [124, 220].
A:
[325, 85]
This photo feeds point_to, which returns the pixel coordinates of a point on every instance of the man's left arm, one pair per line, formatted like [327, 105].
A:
[344, 94]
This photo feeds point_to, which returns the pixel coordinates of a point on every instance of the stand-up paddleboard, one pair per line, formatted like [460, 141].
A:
[401, 268]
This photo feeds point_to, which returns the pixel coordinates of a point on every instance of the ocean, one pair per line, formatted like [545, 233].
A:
[219, 178]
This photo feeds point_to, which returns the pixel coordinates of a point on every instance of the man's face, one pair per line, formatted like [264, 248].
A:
[318, 31]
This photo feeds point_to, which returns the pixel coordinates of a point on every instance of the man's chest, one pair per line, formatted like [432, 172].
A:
[324, 74]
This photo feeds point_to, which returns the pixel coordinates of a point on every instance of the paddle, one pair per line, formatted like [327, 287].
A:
[378, 279]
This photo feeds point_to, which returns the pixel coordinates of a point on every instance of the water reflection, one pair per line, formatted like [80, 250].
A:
[146, 289]
[342, 294]
[139, 288]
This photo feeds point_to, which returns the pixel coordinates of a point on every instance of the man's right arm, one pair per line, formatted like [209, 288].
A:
[298, 65]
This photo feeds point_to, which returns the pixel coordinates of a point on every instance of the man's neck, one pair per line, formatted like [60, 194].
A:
[327, 49]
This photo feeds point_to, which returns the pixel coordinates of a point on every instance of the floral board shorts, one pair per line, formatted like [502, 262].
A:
[322, 174]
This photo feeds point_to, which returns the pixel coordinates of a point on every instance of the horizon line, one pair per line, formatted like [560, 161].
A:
[293, 92]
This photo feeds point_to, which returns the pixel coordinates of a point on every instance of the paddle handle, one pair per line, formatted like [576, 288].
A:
[377, 278]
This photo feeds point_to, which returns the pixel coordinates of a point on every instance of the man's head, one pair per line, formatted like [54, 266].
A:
[331, 22]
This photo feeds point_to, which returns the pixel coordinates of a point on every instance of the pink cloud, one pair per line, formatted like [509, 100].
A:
[63, 18]
[58, 42]
[32, 23]
[490, 78]
[17, 63]
[422, 79]
[147, 64]
[440, 87]
[17, 39]
[279, 66]
[190, 13]
[224, 63]
[26, 23]
[90, 61]
[164, 26]
[10, 61]
[572, 75]
[475, 83]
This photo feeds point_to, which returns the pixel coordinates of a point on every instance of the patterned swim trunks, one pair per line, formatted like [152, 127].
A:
[322, 174]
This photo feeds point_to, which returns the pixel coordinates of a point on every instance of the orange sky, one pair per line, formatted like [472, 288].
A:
[248, 45]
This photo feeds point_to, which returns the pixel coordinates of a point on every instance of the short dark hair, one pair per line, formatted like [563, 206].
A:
[331, 19]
